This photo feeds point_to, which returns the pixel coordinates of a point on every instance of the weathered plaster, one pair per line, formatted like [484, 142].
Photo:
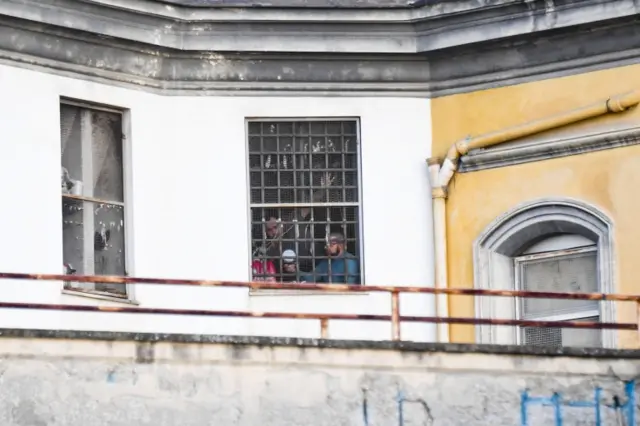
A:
[441, 48]
[95, 382]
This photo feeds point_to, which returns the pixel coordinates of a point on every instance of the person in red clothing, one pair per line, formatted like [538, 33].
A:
[263, 270]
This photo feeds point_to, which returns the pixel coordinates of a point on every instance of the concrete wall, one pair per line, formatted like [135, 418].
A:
[187, 210]
[111, 380]
[602, 179]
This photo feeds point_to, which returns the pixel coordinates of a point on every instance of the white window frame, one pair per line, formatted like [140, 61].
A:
[495, 248]
[88, 218]
[357, 204]
[521, 261]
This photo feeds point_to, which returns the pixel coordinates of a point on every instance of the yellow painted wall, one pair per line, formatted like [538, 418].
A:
[608, 179]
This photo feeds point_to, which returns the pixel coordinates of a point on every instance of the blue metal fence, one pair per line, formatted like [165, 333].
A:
[625, 411]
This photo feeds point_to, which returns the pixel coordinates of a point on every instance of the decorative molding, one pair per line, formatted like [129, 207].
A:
[519, 153]
[507, 235]
[285, 29]
[365, 52]
[321, 4]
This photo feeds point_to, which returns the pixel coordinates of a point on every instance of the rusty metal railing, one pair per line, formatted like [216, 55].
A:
[395, 318]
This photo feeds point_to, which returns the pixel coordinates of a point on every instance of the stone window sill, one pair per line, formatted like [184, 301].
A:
[100, 296]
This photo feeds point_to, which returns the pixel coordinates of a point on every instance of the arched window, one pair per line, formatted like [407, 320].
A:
[548, 245]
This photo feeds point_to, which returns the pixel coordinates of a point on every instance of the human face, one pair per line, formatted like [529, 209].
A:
[334, 247]
[272, 228]
[289, 267]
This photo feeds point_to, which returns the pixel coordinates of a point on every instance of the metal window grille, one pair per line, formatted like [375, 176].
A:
[92, 196]
[573, 270]
[304, 187]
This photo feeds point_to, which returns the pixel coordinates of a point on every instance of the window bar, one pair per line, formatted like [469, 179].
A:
[327, 233]
[327, 165]
[312, 227]
[344, 185]
[296, 245]
[294, 169]
[263, 201]
[309, 148]
[296, 239]
[86, 151]
[261, 249]
[343, 164]
[278, 157]
[264, 258]
[301, 205]
[346, 241]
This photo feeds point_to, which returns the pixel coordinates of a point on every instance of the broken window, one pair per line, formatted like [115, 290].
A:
[305, 200]
[93, 226]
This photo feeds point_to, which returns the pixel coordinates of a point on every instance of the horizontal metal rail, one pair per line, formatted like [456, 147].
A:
[318, 316]
[395, 318]
[110, 279]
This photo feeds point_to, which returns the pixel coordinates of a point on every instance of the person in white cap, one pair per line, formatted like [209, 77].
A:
[289, 266]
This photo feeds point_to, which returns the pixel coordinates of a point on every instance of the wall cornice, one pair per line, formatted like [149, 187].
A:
[100, 40]
[519, 153]
[291, 4]
[440, 25]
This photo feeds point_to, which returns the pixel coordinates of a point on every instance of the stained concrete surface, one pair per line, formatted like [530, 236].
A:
[90, 380]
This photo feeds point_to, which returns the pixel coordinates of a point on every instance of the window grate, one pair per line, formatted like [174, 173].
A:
[304, 188]
[563, 337]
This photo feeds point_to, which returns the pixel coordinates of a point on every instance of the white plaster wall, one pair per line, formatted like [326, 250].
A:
[187, 206]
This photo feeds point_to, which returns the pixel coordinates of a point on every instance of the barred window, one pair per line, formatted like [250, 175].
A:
[92, 197]
[305, 200]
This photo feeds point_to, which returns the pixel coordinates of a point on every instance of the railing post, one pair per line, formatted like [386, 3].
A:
[395, 315]
[638, 317]
[324, 328]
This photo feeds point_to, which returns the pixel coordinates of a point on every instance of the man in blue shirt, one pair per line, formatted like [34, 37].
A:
[341, 267]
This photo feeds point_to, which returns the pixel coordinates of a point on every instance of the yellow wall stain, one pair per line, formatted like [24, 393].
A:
[608, 180]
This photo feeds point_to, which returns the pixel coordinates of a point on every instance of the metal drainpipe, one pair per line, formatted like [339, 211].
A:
[438, 197]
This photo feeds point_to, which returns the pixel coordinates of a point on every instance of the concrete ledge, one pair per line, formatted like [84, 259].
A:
[77, 378]
[262, 341]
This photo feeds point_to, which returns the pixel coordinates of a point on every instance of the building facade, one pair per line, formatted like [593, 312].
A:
[549, 211]
[186, 132]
